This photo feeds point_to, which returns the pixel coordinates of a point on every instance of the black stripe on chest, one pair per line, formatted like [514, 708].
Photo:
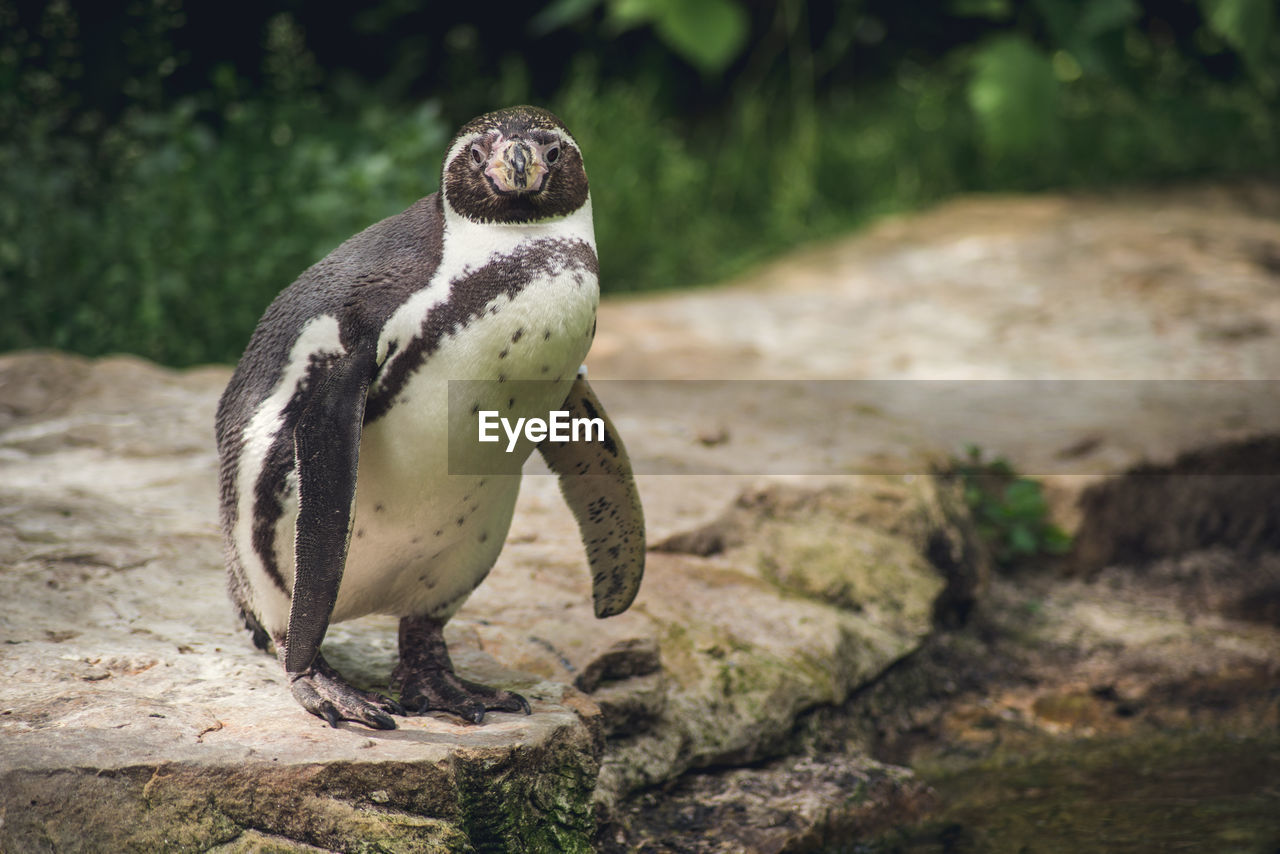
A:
[469, 299]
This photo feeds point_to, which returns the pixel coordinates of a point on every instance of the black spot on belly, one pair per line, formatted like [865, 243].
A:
[546, 335]
[475, 408]
[546, 369]
[502, 378]
[505, 351]
[378, 508]
[359, 533]
[511, 403]
[484, 535]
[462, 521]
[515, 336]
[439, 532]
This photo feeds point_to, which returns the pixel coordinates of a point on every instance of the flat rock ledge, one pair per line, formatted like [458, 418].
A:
[137, 716]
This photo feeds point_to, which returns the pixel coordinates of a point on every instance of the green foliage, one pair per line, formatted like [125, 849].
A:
[656, 189]
[166, 229]
[168, 234]
[1014, 94]
[1246, 25]
[1016, 87]
[1011, 512]
[707, 33]
[1022, 87]
[1084, 30]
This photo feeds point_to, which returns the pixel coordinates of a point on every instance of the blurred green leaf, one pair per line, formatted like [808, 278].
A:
[560, 13]
[1246, 25]
[1023, 499]
[1022, 540]
[625, 14]
[1066, 67]
[711, 33]
[1014, 93]
[707, 33]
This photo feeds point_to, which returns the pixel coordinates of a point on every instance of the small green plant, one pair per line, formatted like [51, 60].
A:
[1011, 512]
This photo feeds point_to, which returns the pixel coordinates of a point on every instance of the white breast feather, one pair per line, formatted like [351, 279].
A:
[398, 563]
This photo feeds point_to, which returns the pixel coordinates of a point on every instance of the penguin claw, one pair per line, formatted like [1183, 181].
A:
[321, 691]
[444, 691]
[377, 720]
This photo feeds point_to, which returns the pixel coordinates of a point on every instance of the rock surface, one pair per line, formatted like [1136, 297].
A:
[135, 714]
[1175, 284]
[791, 804]
[125, 672]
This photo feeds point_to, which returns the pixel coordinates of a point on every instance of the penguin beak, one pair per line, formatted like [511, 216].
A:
[515, 167]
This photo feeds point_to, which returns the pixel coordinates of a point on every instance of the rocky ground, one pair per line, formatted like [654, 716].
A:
[819, 616]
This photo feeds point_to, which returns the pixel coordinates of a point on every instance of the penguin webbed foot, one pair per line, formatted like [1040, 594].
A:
[440, 690]
[325, 694]
[428, 683]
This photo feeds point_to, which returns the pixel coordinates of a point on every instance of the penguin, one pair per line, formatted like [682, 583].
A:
[346, 483]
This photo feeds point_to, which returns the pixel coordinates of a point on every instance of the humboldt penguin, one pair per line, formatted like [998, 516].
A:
[347, 484]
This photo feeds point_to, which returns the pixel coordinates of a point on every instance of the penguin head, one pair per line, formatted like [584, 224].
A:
[518, 165]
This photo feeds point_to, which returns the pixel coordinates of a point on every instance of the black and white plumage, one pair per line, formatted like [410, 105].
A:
[336, 497]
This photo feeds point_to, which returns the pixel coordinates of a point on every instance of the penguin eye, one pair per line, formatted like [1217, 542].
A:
[553, 154]
[477, 154]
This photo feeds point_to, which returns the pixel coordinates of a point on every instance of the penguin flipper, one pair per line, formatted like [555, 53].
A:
[327, 452]
[597, 484]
